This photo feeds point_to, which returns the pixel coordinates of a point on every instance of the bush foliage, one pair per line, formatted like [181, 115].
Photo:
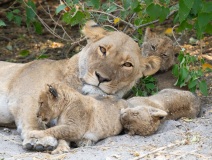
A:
[134, 14]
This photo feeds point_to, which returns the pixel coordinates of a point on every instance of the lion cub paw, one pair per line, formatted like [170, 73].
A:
[37, 141]
[63, 148]
[85, 142]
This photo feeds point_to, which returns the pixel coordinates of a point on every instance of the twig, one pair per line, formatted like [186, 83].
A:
[5, 38]
[56, 22]
[3, 10]
[46, 26]
[159, 149]
[111, 27]
[127, 23]
[175, 37]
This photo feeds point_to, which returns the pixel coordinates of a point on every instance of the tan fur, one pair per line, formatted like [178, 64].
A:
[118, 69]
[80, 117]
[161, 46]
[146, 113]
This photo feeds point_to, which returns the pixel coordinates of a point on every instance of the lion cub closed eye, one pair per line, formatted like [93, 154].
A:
[147, 113]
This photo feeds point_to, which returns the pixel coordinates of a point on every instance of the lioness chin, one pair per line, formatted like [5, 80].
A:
[110, 63]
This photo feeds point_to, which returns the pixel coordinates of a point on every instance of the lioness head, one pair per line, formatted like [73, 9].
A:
[111, 63]
[161, 46]
[141, 120]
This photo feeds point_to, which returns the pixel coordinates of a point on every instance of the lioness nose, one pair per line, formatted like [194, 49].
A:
[101, 79]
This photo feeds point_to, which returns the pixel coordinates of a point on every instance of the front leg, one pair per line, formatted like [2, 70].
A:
[63, 147]
[48, 136]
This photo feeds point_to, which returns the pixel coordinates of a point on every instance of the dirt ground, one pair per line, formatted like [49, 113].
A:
[182, 139]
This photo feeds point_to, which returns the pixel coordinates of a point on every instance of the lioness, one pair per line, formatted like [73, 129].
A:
[161, 46]
[147, 113]
[80, 118]
[110, 63]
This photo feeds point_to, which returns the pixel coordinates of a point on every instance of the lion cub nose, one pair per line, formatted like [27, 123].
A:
[101, 79]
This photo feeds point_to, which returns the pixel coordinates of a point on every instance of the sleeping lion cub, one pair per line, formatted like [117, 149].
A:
[147, 113]
[161, 46]
[83, 119]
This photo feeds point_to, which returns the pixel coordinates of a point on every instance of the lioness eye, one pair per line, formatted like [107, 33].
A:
[103, 50]
[127, 64]
[153, 47]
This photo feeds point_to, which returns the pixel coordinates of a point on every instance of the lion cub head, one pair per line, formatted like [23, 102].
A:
[51, 102]
[161, 46]
[142, 120]
[111, 63]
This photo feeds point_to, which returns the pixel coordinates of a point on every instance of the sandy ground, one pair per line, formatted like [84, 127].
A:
[182, 139]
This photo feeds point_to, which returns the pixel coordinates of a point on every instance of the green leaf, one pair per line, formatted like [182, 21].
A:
[175, 71]
[77, 18]
[203, 87]
[192, 84]
[30, 12]
[207, 7]
[38, 27]
[2, 23]
[184, 73]
[16, 11]
[17, 20]
[148, 2]
[188, 3]
[150, 86]
[95, 3]
[197, 6]
[184, 9]
[203, 19]
[208, 28]
[60, 8]
[152, 9]
[111, 9]
[9, 16]
[24, 53]
[42, 56]
[164, 13]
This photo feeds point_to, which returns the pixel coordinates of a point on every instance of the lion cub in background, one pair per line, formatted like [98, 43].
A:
[146, 113]
[160, 46]
[81, 119]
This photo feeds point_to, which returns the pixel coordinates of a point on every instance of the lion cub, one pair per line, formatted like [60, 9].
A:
[80, 117]
[147, 113]
[161, 46]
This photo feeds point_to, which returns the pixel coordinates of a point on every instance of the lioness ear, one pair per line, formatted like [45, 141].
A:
[150, 65]
[157, 113]
[149, 34]
[53, 91]
[93, 31]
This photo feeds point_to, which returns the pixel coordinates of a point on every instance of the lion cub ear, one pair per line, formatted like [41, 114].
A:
[93, 31]
[157, 113]
[53, 91]
[150, 65]
[149, 34]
